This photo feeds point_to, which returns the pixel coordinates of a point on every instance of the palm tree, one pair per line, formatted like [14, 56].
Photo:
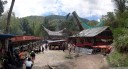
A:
[1, 7]
[2, 3]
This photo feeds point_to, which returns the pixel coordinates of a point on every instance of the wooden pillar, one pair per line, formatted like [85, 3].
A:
[3, 46]
[94, 41]
[6, 43]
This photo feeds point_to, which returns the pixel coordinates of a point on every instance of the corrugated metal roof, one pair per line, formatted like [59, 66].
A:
[52, 41]
[91, 32]
[54, 33]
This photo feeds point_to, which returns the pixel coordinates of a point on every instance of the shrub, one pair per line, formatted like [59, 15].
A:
[121, 40]
[117, 59]
[68, 57]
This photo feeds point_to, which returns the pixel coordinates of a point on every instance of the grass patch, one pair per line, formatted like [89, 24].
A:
[68, 57]
[117, 59]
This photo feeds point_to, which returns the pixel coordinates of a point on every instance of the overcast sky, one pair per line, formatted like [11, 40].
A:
[91, 9]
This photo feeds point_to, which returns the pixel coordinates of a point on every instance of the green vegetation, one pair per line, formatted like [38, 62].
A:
[32, 25]
[122, 42]
[68, 56]
[2, 3]
[117, 59]
[118, 21]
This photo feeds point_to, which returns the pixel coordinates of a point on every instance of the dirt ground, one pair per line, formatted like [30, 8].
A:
[62, 60]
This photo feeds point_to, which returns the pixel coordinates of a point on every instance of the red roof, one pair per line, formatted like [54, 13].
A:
[24, 38]
[103, 46]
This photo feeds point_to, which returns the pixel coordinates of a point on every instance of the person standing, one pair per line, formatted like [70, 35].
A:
[69, 48]
[43, 49]
[63, 46]
[32, 54]
[46, 46]
[22, 56]
[29, 63]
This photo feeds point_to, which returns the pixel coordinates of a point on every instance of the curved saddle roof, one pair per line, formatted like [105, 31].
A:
[54, 33]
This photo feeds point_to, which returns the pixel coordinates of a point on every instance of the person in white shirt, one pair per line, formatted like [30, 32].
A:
[29, 63]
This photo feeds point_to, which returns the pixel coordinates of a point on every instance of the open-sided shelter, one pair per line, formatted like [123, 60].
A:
[93, 37]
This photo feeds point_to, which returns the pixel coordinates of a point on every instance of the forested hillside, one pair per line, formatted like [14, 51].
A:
[32, 25]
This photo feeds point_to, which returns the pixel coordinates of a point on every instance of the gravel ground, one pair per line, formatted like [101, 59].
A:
[58, 60]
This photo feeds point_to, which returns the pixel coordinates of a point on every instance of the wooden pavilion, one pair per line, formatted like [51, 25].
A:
[28, 42]
[92, 37]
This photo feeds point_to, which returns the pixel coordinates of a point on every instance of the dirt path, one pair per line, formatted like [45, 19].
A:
[49, 58]
[91, 62]
[58, 60]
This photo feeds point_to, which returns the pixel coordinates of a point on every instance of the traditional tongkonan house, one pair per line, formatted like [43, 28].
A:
[55, 35]
[55, 38]
[93, 37]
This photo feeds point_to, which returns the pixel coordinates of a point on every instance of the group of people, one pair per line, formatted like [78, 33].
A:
[41, 48]
[30, 60]
[27, 58]
[17, 59]
[24, 56]
[31, 57]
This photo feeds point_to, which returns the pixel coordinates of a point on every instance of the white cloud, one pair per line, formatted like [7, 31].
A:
[84, 8]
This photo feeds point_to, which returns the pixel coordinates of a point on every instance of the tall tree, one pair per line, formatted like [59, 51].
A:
[119, 18]
[110, 20]
[2, 6]
[27, 30]
[9, 17]
[120, 5]
[8, 24]
[3, 21]
[15, 26]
